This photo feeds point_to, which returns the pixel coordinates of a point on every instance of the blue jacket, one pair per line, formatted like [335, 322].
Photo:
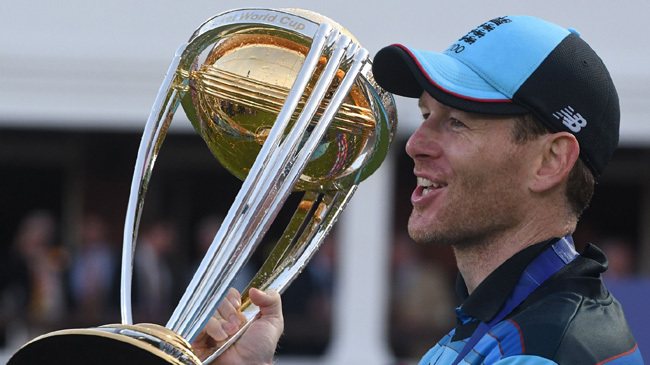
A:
[570, 319]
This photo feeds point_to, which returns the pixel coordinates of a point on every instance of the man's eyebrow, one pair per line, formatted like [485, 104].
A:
[420, 103]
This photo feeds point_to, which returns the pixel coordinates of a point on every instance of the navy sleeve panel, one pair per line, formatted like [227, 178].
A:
[571, 329]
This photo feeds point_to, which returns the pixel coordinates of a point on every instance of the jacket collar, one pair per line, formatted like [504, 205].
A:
[488, 298]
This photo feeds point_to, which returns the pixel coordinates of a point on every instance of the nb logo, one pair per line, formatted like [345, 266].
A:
[574, 121]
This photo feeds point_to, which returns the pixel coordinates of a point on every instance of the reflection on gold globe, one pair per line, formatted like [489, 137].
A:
[238, 92]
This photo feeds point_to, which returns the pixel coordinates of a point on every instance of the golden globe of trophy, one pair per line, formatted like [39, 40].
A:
[286, 101]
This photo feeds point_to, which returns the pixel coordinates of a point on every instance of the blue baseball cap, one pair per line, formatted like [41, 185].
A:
[516, 65]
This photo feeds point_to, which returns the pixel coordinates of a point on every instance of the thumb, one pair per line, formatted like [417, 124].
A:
[269, 302]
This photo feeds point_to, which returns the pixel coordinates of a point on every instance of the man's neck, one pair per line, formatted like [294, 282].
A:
[478, 260]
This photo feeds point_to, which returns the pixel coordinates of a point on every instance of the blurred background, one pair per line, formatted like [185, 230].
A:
[77, 81]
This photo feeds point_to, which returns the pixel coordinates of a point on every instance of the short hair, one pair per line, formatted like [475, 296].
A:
[581, 181]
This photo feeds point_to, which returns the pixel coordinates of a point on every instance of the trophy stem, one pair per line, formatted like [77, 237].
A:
[155, 131]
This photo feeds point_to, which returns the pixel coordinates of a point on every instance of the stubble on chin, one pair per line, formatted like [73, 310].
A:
[426, 235]
[458, 237]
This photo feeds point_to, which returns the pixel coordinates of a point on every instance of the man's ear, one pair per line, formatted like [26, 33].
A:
[558, 154]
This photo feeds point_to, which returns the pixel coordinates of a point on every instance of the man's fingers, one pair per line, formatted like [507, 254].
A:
[229, 305]
[215, 330]
[228, 312]
[228, 319]
[234, 297]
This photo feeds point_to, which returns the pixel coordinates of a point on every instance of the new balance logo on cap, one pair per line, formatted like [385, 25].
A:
[572, 120]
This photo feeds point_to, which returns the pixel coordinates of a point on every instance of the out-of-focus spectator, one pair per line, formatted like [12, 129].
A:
[32, 288]
[422, 298]
[93, 273]
[307, 304]
[153, 278]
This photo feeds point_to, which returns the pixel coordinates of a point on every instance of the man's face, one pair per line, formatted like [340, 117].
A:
[470, 176]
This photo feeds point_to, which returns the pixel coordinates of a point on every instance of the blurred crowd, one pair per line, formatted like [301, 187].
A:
[48, 285]
[33, 294]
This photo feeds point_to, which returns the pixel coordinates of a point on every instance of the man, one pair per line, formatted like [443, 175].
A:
[519, 117]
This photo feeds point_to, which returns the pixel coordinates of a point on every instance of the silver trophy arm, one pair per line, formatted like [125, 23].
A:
[155, 131]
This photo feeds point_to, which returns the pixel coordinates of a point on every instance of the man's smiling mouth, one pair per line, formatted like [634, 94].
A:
[429, 185]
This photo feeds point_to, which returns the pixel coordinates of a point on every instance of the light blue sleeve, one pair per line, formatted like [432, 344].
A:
[525, 360]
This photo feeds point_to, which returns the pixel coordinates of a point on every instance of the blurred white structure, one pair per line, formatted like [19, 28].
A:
[98, 65]
[70, 64]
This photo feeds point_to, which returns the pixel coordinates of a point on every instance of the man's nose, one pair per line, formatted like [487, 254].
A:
[423, 142]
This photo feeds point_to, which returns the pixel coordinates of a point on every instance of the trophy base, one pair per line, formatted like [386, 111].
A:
[111, 344]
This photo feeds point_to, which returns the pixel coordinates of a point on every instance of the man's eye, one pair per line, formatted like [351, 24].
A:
[426, 116]
[457, 123]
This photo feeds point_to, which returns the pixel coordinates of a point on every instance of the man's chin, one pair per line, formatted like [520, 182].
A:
[447, 237]
[428, 237]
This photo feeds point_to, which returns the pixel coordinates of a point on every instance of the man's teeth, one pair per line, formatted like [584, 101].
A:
[428, 185]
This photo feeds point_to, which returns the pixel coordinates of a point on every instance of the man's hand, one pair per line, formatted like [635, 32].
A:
[257, 345]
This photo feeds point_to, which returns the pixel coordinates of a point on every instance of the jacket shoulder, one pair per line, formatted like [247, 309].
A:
[572, 329]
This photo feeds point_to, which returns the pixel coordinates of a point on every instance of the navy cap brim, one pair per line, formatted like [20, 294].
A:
[398, 71]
